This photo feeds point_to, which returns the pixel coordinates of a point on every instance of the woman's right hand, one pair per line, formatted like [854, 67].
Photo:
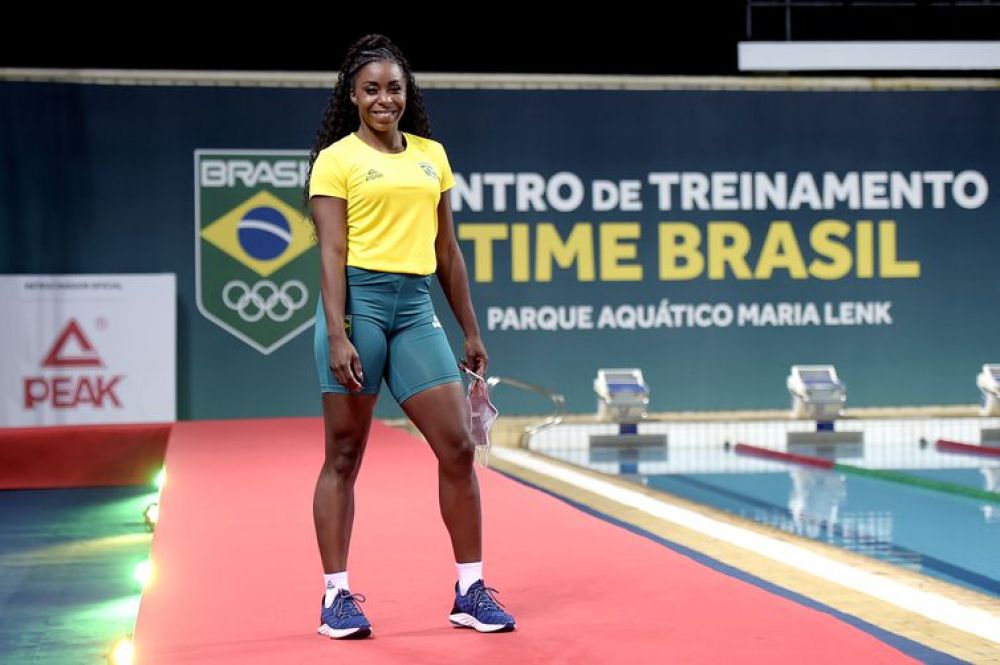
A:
[345, 364]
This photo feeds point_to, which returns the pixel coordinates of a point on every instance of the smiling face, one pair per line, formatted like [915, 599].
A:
[379, 92]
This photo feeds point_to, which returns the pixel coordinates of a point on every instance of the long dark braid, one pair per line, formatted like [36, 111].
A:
[340, 117]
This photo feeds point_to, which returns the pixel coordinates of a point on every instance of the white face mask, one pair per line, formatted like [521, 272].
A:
[482, 415]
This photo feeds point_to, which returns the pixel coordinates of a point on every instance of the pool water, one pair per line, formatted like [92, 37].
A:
[949, 536]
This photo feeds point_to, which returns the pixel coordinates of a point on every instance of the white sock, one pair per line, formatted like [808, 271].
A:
[334, 582]
[468, 574]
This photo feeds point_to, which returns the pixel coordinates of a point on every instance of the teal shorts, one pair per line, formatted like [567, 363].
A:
[390, 320]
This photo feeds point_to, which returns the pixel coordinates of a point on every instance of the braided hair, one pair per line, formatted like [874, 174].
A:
[340, 117]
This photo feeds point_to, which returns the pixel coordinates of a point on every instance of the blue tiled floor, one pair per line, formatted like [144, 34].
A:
[66, 562]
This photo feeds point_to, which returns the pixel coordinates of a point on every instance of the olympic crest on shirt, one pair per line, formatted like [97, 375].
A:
[256, 262]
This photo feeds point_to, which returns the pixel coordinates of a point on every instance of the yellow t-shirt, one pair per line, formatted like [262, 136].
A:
[392, 200]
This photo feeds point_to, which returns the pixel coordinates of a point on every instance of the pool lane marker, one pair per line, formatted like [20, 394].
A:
[880, 474]
[931, 605]
[946, 446]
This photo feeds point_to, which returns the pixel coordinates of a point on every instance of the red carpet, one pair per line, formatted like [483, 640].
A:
[81, 455]
[238, 578]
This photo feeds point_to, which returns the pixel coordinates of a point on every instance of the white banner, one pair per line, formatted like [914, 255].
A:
[87, 349]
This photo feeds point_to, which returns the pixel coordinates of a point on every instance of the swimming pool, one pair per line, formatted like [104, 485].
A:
[939, 531]
[952, 537]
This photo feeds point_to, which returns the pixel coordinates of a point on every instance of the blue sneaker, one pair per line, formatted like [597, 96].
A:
[344, 619]
[480, 610]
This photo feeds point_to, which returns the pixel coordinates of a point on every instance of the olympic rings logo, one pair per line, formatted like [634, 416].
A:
[265, 298]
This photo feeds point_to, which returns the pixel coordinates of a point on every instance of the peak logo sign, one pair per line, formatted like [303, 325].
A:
[255, 251]
[72, 350]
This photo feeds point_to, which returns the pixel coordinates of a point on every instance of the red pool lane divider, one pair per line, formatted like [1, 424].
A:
[969, 448]
[757, 451]
[880, 474]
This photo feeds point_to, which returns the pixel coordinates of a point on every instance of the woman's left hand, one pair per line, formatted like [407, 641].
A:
[475, 359]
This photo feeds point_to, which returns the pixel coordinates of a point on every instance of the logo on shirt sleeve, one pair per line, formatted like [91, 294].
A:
[428, 168]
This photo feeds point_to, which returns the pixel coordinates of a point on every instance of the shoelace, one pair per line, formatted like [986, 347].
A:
[347, 605]
[483, 598]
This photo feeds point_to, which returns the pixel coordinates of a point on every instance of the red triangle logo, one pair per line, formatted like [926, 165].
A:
[84, 355]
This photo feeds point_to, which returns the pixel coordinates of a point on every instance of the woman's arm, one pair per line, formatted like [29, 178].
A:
[454, 281]
[330, 216]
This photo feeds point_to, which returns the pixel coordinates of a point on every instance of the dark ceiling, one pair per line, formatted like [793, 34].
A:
[692, 38]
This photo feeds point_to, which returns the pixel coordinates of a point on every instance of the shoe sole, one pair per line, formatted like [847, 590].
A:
[344, 633]
[463, 620]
